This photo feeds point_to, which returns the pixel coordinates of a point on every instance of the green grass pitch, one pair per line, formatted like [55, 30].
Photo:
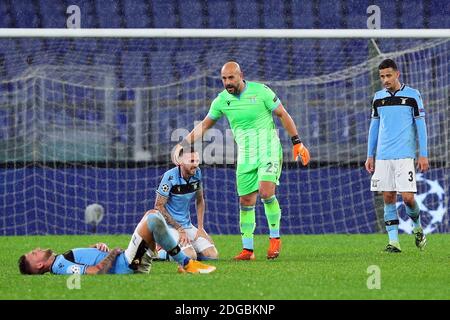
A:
[309, 267]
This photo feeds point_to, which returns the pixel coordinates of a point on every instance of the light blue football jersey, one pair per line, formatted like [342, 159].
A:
[397, 133]
[179, 193]
[77, 260]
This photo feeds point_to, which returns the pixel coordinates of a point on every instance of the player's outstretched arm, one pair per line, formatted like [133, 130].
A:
[103, 266]
[196, 133]
[299, 150]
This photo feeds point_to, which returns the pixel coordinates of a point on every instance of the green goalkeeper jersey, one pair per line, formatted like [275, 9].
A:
[251, 120]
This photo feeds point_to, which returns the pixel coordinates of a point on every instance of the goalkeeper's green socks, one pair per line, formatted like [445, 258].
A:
[273, 214]
[414, 214]
[247, 225]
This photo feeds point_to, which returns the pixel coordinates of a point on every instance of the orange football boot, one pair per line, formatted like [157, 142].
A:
[245, 255]
[195, 266]
[274, 248]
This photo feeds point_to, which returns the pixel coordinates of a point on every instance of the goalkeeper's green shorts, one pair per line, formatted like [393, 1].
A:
[249, 175]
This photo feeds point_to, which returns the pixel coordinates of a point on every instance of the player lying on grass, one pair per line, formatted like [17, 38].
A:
[99, 259]
[173, 197]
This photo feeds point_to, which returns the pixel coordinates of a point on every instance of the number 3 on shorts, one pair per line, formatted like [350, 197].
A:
[411, 176]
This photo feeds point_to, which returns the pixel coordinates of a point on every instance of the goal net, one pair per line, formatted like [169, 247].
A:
[92, 121]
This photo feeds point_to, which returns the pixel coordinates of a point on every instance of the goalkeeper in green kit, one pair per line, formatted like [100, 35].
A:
[248, 107]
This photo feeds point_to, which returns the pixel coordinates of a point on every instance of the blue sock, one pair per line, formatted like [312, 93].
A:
[391, 221]
[158, 226]
[179, 256]
[164, 256]
[247, 243]
[414, 214]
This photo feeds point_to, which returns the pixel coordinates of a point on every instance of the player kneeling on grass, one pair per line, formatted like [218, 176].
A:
[177, 188]
[99, 259]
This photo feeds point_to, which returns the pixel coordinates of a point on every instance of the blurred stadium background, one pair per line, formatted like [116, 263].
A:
[87, 121]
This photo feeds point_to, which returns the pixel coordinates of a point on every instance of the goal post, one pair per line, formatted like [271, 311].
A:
[225, 33]
[89, 116]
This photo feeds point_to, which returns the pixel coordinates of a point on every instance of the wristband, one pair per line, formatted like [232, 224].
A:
[296, 140]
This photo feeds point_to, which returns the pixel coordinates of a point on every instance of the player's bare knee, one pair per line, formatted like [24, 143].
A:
[246, 202]
[409, 201]
[150, 212]
[154, 220]
[210, 253]
[190, 252]
[390, 198]
[266, 189]
[249, 200]
[266, 194]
